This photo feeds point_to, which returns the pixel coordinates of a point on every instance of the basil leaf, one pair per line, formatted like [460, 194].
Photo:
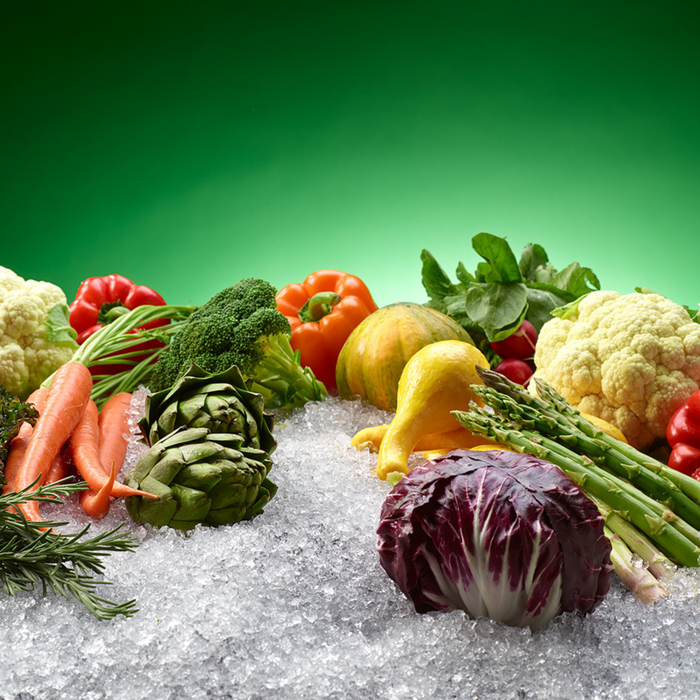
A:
[541, 302]
[437, 284]
[496, 306]
[503, 264]
[58, 328]
[576, 279]
[494, 334]
[532, 258]
[464, 276]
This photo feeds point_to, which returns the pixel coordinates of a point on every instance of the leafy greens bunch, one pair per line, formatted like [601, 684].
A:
[492, 302]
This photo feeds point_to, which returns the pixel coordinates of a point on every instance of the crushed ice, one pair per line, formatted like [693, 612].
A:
[294, 604]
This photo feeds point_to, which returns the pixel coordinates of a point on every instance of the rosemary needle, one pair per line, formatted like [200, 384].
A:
[32, 555]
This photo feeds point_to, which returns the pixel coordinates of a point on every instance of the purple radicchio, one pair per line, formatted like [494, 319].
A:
[497, 534]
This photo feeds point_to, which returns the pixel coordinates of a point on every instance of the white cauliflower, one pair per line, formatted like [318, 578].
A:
[35, 336]
[631, 360]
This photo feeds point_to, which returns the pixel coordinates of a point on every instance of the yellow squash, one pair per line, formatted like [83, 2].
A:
[435, 381]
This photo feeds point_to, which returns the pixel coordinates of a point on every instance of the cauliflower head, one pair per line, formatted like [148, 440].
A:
[631, 360]
[35, 335]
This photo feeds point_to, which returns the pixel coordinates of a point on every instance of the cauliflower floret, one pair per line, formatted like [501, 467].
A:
[631, 360]
[31, 347]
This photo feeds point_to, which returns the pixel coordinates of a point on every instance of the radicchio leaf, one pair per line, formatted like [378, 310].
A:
[497, 534]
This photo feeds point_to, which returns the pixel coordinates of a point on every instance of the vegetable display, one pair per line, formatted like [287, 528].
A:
[683, 435]
[241, 326]
[322, 312]
[35, 335]
[497, 534]
[630, 359]
[209, 459]
[373, 357]
[536, 485]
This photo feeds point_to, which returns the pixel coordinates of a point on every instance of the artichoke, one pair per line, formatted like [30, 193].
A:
[200, 477]
[220, 402]
[210, 451]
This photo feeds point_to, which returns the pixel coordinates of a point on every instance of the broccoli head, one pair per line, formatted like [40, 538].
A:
[240, 325]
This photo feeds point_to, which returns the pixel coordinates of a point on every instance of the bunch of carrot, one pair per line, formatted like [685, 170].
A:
[70, 432]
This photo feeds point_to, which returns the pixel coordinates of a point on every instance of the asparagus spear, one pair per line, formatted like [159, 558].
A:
[636, 578]
[563, 427]
[662, 526]
[658, 563]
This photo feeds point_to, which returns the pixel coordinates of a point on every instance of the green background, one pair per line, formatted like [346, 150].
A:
[187, 145]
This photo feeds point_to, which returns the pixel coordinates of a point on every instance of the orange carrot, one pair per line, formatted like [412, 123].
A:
[68, 394]
[83, 444]
[20, 442]
[61, 467]
[113, 425]
[96, 504]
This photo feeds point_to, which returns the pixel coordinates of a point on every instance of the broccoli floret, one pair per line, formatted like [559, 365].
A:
[240, 325]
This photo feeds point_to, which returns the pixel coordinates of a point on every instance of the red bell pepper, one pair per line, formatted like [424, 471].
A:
[101, 300]
[323, 310]
[683, 435]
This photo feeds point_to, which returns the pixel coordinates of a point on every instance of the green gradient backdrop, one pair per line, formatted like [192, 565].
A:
[187, 145]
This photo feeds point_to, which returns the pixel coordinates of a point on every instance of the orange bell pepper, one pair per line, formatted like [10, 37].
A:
[323, 310]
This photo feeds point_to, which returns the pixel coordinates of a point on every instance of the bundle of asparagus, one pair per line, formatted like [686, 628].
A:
[652, 512]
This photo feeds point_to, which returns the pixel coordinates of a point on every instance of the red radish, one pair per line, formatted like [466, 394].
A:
[520, 344]
[516, 370]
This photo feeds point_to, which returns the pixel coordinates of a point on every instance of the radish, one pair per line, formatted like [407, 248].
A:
[520, 344]
[516, 370]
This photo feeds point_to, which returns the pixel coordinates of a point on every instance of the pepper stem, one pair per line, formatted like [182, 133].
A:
[318, 306]
[111, 311]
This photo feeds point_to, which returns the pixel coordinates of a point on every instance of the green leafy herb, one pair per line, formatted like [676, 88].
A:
[58, 328]
[492, 302]
[32, 554]
[13, 413]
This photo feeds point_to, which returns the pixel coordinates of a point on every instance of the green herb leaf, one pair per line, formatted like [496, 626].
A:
[532, 258]
[58, 328]
[32, 557]
[464, 276]
[497, 306]
[435, 281]
[568, 311]
[13, 413]
[503, 264]
[576, 280]
[541, 302]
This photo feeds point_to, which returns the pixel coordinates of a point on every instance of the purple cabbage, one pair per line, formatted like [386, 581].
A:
[497, 534]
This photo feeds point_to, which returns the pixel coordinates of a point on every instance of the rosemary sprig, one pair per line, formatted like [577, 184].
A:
[32, 554]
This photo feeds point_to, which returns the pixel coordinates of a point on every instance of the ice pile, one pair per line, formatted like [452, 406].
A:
[295, 605]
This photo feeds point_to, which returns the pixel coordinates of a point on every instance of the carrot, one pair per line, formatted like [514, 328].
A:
[113, 425]
[20, 442]
[84, 448]
[96, 504]
[61, 467]
[65, 404]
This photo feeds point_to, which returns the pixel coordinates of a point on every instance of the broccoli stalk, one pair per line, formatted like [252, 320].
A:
[240, 325]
